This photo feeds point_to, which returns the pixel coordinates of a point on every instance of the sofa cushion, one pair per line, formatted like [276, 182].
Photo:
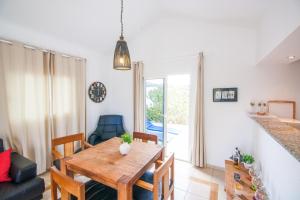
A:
[22, 168]
[31, 189]
[5, 165]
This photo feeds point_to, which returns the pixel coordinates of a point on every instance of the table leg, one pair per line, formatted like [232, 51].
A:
[124, 189]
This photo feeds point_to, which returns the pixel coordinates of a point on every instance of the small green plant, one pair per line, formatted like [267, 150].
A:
[126, 137]
[247, 158]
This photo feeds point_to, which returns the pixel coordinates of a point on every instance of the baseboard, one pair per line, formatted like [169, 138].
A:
[215, 167]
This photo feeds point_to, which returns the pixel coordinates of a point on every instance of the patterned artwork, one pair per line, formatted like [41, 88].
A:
[97, 92]
[225, 94]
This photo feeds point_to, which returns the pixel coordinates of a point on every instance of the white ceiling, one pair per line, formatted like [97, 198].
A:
[288, 47]
[95, 23]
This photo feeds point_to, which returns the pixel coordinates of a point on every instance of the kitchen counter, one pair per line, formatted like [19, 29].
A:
[282, 131]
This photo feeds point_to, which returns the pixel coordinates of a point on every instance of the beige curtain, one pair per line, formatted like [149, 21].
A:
[68, 95]
[138, 95]
[42, 96]
[24, 101]
[198, 137]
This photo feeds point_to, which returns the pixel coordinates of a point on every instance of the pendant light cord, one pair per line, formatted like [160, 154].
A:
[122, 18]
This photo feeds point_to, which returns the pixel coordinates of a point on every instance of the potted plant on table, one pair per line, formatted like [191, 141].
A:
[126, 141]
[248, 160]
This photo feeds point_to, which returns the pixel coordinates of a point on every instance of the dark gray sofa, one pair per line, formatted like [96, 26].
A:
[25, 184]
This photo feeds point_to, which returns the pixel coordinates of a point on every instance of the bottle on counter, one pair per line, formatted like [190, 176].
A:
[236, 157]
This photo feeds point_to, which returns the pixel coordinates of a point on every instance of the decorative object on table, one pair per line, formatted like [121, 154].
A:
[253, 107]
[97, 92]
[225, 94]
[238, 189]
[260, 194]
[253, 187]
[236, 156]
[256, 182]
[262, 108]
[248, 160]
[237, 177]
[121, 55]
[126, 141]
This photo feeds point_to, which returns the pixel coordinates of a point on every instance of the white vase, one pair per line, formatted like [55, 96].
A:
[124, 148]
[247, 166]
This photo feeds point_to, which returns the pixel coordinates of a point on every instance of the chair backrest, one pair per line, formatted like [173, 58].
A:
[68, 142]
[110, 126]
[145, 137]
[165, 173]
[66, 184]
[1, 145]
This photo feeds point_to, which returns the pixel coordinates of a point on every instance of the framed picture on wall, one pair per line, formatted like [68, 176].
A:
[225, 94]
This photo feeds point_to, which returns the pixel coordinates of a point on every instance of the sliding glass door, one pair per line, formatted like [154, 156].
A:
[155, 108]
[167, 113]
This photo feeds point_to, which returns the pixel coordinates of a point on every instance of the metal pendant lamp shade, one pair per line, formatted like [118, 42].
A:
[122, 57]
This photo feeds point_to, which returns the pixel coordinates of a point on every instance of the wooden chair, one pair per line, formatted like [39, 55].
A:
[151, 182]
[67, 186]
[68, 143]
[91, 190]
[145, 137]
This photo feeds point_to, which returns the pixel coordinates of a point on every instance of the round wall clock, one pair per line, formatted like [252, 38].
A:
[97, 92]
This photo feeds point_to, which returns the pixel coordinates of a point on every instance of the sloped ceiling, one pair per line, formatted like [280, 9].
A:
[95, 23]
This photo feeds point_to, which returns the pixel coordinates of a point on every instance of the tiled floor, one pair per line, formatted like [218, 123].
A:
[190, 183]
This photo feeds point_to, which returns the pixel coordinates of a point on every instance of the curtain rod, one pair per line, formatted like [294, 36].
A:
[41, 49]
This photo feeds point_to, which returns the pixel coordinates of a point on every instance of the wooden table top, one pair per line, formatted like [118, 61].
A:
[105, 164]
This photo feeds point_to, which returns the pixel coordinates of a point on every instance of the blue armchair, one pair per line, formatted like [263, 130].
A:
[109, 126]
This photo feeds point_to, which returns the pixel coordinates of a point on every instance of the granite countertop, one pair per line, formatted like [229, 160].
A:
[285, 134]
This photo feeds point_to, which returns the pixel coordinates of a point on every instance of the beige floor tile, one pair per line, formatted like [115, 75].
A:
[179, 194]
[182, 182]
[199, 189]
[190, 196]
[218, 177]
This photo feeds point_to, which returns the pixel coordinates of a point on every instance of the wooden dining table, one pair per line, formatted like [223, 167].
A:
[105, 164]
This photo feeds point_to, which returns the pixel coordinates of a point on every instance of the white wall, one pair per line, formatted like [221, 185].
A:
[95, 70]
[281, 19]
[170, 46]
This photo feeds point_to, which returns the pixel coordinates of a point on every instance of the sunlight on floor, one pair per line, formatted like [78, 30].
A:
[190, 183]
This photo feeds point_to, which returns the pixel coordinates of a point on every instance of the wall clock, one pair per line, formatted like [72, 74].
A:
[97, 92]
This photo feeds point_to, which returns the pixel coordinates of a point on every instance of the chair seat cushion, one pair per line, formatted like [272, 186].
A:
[98, 191]
[30, 189]
[141, 193]
[56, 162]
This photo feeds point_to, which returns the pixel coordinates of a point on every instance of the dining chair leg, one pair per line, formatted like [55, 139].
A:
[53, 190]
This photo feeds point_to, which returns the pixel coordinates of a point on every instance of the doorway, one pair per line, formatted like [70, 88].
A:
[167, 114]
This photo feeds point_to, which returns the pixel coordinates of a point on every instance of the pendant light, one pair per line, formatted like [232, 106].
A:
[121, 56]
